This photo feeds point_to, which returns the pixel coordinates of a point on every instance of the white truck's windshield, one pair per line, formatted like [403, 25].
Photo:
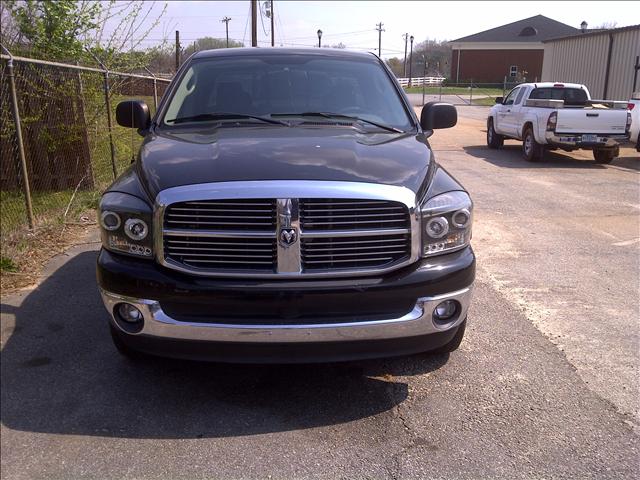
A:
[571, 96]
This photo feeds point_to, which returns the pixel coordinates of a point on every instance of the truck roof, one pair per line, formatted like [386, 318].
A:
[553, 84]
[254, 51]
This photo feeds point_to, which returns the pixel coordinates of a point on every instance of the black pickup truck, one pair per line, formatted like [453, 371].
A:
[285, 206]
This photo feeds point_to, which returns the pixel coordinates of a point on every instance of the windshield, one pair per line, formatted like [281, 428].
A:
[265, 85]
[571, 96]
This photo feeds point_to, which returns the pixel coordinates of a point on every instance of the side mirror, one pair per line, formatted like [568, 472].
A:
[133, 114]
[499, 100]
[438, 115]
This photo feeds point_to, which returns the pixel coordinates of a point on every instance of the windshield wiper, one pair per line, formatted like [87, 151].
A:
[207, 117]
[389, 128]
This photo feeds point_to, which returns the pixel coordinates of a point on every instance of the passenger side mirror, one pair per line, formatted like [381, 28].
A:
[499, 100]
[133, 114]
[438, 115]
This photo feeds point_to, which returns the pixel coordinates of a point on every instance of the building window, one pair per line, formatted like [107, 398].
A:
[513, 71]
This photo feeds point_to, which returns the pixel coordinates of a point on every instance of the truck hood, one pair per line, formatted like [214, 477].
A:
[185, 157]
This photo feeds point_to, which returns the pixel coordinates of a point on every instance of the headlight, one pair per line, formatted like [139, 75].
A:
[446, 223]
[125, 223]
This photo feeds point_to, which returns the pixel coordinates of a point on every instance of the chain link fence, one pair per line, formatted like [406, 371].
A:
[467, 93]
[72, 147]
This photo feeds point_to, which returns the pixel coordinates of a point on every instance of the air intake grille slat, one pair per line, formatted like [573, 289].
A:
[252, 215]
[341, 214]
[201, 251]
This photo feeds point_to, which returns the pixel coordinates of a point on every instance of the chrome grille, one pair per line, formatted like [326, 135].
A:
[354, 252]
[343, 229]
[343, 214]
[215, 234]
[258, 214]
[212, 253]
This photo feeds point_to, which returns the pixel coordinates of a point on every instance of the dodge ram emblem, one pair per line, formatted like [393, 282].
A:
[288, 236]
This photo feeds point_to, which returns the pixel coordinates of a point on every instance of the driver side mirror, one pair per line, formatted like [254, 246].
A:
[499, 100]
[438, 115]
[133, 114]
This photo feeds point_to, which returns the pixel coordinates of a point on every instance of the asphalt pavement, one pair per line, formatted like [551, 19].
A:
[544, 385]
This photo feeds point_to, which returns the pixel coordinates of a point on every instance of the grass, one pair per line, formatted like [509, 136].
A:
[487, 101]
[50, 206]
[7, 265]
[14, 211]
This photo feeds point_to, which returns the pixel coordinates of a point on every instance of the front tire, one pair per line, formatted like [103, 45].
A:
[603, 156]
[494, 140]
[454, 343]
[532, 151]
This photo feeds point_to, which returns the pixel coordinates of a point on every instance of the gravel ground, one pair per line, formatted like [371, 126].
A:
[545, 384]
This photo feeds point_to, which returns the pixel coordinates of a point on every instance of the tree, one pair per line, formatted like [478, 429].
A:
[67, 30]
[395, 64]
[210, 43]
[53, 30]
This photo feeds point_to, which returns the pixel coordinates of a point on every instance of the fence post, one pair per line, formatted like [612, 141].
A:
[440, 91]
[471, 92]
[504, 86]
[16, 119]
[107, 103]
[155, 89]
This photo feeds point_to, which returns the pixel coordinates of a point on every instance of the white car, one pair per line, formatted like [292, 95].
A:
[558, 115]
[634, 108]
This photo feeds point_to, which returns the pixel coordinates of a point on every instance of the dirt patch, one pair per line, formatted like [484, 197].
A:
[25, 253]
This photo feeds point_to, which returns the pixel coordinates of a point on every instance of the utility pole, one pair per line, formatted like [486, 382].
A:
[254, 23]
[226, 21]
[177, 50]
[273, 32]
[404, 64]
[410, 59]
[380, 30]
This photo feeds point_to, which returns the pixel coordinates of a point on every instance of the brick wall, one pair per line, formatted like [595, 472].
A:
[490, 66]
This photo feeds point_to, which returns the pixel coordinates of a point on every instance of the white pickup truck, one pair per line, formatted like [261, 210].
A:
[558, 115]
[634, 108]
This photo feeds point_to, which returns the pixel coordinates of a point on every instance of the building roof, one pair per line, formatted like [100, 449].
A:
[533, 29]
[593, 32]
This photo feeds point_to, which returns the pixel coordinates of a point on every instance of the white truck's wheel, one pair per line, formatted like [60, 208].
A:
[494, 140]
[532, 151]
[604, 155]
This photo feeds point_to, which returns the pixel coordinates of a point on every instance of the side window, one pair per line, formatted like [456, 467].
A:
[512, 95]
[513, 71]
[519, 97]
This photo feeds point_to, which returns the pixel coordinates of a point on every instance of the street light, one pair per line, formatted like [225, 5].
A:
[410, 58]
[319, 38]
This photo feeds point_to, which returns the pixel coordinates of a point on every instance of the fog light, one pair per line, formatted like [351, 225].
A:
[445, 311]
[129, 313]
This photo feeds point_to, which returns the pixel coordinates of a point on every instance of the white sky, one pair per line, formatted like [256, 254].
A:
[353, 23]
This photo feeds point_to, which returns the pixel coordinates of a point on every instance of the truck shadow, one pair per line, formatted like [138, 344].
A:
[61, 375]
[510, 156]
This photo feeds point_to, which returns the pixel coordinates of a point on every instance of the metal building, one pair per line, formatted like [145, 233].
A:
[606, 61]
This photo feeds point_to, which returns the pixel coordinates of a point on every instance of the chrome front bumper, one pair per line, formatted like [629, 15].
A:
[575, 141]
[415, 323]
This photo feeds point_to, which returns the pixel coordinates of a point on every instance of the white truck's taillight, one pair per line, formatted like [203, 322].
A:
[552, 122]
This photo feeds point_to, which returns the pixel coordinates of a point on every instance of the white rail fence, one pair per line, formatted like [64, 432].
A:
[419, 81]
